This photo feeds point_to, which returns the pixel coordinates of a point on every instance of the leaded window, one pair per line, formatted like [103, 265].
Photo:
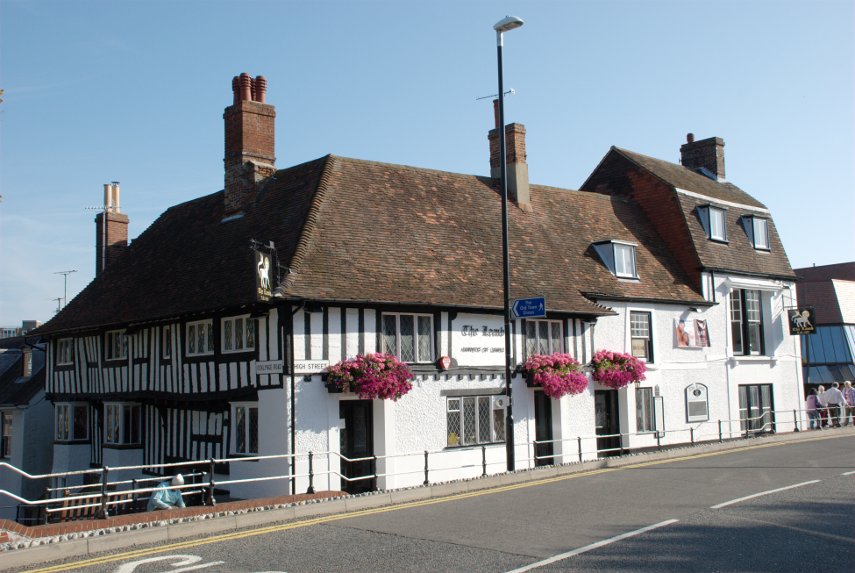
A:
[246, 429]
[474, 420]
[200, 338]
[408, 336]
[238, 334]
[543, 337]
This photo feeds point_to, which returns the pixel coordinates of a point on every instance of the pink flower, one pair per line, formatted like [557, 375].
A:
[616, 369]
[558, 374]
[372, 376]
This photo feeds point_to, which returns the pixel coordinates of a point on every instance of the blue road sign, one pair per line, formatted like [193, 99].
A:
[534, 307]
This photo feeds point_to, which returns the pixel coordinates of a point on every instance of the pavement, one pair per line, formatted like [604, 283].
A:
[28, 546]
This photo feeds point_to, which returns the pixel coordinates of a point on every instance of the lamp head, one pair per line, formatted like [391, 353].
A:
[507, 23]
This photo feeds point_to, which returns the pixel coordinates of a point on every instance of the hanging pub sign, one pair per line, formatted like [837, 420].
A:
[691, 333]
[802, 320]
[262, 276]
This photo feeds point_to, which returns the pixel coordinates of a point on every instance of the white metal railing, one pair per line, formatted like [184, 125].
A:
[117, 493]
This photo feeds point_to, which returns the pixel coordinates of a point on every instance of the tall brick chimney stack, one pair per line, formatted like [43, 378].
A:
[111, 239]
[707, 153]
[517, 168]
[249, 157]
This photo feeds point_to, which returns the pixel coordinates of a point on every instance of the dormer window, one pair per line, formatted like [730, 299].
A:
[619, 258]
[757, 229]
[714, 222]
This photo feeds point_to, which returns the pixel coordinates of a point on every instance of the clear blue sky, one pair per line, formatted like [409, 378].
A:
[134, 91]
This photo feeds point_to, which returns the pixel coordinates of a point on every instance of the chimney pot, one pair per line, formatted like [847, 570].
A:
[690, 137]
[260, 89]
[245, 87]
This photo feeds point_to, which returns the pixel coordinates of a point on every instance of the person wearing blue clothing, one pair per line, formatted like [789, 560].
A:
[165, 498]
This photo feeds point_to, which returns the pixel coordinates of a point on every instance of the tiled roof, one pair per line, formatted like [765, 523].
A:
[683, 178]
[845, 271]
[15, 390]
[367, 232]
[630, 174]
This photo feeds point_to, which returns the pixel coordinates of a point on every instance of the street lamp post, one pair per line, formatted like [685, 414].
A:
[504, 25]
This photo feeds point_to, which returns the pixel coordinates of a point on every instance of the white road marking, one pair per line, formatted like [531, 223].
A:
[187, 560]
[596, 545]
[762, 493]
[848, 473]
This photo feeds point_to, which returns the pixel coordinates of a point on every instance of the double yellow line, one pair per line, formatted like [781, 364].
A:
[361, 513]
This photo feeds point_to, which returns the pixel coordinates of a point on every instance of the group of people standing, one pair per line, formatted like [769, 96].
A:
[832, 407]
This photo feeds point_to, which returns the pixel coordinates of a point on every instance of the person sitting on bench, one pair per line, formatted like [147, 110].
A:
[164, 498]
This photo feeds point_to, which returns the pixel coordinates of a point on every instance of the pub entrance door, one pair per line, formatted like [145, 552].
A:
[543, 430]
[357, 441]
[607, 422]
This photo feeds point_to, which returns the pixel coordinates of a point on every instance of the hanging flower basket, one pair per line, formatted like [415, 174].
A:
[616, 369]
[558, 374]
[371, 376]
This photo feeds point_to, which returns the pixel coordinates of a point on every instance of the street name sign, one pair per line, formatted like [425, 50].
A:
[534, 307]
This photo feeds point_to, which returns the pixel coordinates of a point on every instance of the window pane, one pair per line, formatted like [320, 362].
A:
[542, 337]
[81, 423]
[453, 421]
[238, 334]
[424, 339]
[530, 337]
[556, 337]
[191, 339]
[250, 334]
[253, 430]
[736, 320]
[499, 424]
[643, 409]
[227, 335]
[61, 422]
[167, 342]
[408, 340]
[761, 233]
[390, 333]
[209, 330]
[240, 431]
[469, 420]
[717, 228]
[484, 418]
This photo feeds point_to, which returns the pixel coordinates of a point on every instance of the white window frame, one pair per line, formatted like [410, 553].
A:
[625, 266]
[738, 313]
[535, 345]
[192, 335]
[230, 342]
[454, 407]
[65, 421]
[6, 434]
[246, 437]
[65, 352]
[717, 215]
[760, 233]
[645, 419]
[635, 334]
[417, 356]
[118, 430]
[116, 345]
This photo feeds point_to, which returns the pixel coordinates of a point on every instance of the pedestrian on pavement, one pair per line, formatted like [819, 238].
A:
[833, 400]
[820, 406]
[164, 497]
[849, 396]
[811, 405]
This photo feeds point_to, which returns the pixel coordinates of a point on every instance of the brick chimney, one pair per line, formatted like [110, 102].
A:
[249, 146]
[706, 153]
[517, 168]
[111, 239]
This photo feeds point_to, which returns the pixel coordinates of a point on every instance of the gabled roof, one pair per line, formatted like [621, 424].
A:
[355, 231]
[17, 390]
[623, 172]
[827, 288]
[689, 180]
